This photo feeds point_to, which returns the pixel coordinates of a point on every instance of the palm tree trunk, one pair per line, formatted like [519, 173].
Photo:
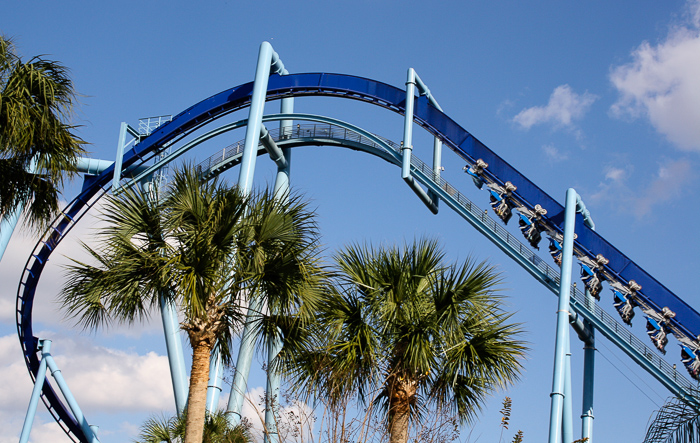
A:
[401, 394]
[197, 399]
[398, 426]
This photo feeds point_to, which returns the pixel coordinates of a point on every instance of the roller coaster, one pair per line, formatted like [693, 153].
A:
[506, 191]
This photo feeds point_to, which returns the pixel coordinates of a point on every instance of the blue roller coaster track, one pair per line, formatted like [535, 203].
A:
[507, 186]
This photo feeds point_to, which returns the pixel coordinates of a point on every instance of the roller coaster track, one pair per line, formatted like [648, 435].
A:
[685, 325]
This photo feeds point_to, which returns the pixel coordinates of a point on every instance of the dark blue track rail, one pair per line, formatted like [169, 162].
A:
[657, 296]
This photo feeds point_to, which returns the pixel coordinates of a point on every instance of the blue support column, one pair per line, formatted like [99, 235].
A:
[588, 382]
[588, 378]
[44, 346]
[255, 113]
[171, 328]
[120, 154]
[558, 382]
[176, 357]
[7, 227]
[9, 223]
[216, 374]
[407, 146]
[567, 430]
[245, 357]
[267, 60]
[282, 183]
[272, 393]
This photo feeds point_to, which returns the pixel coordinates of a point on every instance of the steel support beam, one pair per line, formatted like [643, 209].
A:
[267, 60]
[176, 357]
[559, 378]
[282, 189]
[214, 388]
[567, 427]
[123, 129]
[44, 346]
[47, 362]
[7, 227]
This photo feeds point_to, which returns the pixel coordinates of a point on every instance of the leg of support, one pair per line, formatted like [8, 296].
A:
[588, 379]
[266, 57]
[245, 357]
[216, 374]
[176, 358]
[72, 403]
[437, 166]
[45, 346]
[273, 379]
[408, 124]
[120, 154]
[7, 227]
[272, 397]
[567, 429]
[257, 104]
[555, 419]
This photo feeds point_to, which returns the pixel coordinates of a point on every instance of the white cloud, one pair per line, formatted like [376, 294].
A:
[296, 418]
[46, 309]
[103, 380]
[662, 83]
[668, 185]
[563, 108]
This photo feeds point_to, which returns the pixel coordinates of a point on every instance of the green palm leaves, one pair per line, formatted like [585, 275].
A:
[209, 250]
[676, 422]
[37, 147]
[402, 326]
[172, 430]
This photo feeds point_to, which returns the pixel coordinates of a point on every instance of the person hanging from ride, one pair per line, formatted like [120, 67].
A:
[501, 201]
[658, 327]
[624, 299]
[531, 224]
[690, 361]
[477, 172]
[593, 273]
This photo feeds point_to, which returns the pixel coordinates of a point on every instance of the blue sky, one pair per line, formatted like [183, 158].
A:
[600, 96]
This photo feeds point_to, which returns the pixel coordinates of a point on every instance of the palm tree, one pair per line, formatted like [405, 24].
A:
[37, 148]
[676, 422]
[205, 247]
[172, 430]
[412, 330]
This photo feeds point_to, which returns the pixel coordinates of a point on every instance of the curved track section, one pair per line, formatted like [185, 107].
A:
[685, 325]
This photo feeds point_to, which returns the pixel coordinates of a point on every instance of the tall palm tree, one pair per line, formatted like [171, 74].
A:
[205, 247]
[413, 333]
[37, 147]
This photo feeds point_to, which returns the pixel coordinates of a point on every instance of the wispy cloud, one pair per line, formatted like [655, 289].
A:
[563, 108]
[662, 83]
[554, 155]
[665, 186]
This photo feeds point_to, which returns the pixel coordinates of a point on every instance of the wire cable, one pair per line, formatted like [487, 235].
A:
[630, 380]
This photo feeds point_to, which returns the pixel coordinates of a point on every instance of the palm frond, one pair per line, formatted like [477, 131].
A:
[36, 103]
[676, 422]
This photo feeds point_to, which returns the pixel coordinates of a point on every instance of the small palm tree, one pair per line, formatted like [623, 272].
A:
[37, 147]
[204, 247]
[172, 430]
[413, 333]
